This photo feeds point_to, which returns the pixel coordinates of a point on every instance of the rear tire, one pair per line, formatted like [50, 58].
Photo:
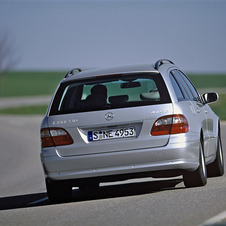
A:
[216, 168]
[58, 191]
[199, 177]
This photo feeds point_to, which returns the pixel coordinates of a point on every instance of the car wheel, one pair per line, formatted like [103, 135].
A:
[58, 191]
[199, 177]
[216, 168]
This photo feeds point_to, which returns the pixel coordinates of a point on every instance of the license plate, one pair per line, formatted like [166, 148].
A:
[111, 134]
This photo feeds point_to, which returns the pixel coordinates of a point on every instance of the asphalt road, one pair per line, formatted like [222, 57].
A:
[23, 199]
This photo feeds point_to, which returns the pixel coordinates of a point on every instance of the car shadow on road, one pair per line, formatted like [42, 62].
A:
[105, 192]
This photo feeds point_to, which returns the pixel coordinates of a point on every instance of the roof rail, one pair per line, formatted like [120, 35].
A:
[160, 62]
[72, 72]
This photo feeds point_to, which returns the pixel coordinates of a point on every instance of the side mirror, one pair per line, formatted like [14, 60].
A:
[210, 97]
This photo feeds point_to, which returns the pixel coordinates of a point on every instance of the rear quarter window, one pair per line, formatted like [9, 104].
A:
[190, 85]
[176, 88]
[110, 92]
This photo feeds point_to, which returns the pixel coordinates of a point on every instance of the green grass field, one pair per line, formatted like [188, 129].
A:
[44, 83]
[208, 81]
[28, 110]
[220, 107]
[29, 83]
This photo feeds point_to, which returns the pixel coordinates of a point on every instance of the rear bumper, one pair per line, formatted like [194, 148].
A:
[174, 156]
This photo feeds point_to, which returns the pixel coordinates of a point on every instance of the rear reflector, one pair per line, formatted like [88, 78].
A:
[170, 124]
[55, 137]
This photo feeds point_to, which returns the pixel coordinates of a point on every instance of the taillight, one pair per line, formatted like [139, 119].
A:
[55, 137]
[170, 124]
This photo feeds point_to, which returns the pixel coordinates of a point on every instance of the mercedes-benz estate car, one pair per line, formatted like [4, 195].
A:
[128, 122]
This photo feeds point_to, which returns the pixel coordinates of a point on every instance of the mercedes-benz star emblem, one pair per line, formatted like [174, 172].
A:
[109, 116]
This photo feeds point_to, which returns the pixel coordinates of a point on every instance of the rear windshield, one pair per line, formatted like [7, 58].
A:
[110, 92]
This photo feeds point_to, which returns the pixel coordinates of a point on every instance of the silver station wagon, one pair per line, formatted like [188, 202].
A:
[128, 122]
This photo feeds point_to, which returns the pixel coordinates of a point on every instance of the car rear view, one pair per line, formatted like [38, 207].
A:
[101, 126]
[115, 124]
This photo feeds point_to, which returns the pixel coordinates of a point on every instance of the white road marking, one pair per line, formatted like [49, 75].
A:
[38, 201]
[217, 219]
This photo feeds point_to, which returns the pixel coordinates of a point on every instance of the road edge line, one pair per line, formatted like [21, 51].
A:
[216, 219]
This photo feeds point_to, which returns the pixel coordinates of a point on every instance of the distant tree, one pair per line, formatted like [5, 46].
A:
[8, 58]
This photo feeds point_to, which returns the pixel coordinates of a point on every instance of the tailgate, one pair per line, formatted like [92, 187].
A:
[114, 130]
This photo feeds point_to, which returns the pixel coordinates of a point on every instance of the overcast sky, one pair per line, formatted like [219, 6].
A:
[59, 35]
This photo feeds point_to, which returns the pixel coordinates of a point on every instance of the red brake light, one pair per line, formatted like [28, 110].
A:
[55, 137]
[171, 124]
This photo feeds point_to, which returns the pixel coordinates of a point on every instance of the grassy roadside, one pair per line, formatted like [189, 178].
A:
[29, 83]
[44, 83]
[28, 110]
[220, 107]
[208, 81]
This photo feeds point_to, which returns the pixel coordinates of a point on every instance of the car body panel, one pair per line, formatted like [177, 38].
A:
[176, 155]
[138, 154]
[78, 125]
